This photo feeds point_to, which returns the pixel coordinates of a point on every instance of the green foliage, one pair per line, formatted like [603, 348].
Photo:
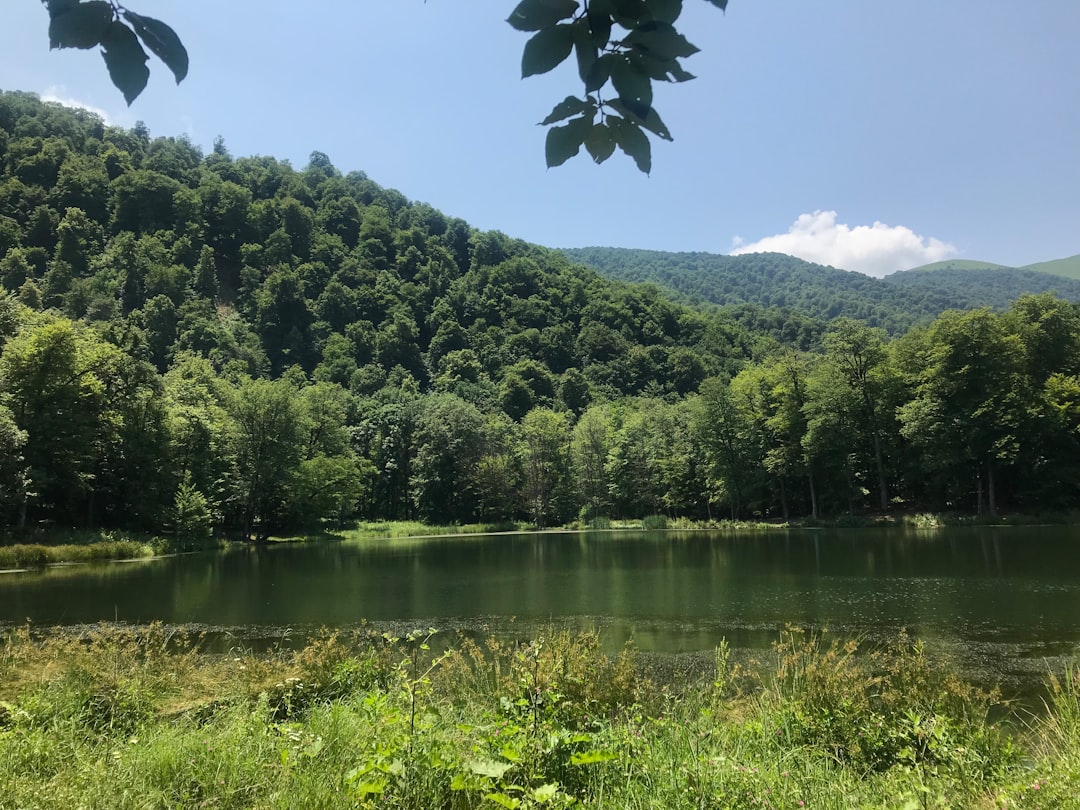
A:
[625, 45]
[88, 23]
[193, 522]
[129, 716]
[305, 349]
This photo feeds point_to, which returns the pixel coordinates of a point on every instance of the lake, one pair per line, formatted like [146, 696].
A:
[1001, 603]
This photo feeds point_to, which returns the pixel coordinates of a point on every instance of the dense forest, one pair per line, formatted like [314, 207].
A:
[195, 342]
[775, 280]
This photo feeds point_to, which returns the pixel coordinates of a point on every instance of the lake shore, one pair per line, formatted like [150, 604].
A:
[41, 548]
[141, 716]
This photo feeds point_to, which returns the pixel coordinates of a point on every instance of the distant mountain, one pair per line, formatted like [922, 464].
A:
[990, 286]
[956, 264]
[776, 280]
[1069, 268]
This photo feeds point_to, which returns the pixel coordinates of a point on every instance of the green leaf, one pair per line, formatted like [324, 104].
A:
[83, 25]
[59, 6]
[629, 12]
[630, 81]
[162, 41]
[600, 72]
[546, 49]
[488, 767]
[661, 40]
[720, 4]
[599, 24]
[661, 70]
[566, 108]
[600, 142]
[592, 757]
[545, 793]
[533, 15]
[564, 142]
[632, 141]
[584, 48]
[664, 10]
[642, 115]
[503, 800]
[126, 61]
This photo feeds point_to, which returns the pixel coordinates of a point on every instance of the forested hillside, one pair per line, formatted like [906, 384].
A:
[894, 303]
[995, 287]
[196, 342]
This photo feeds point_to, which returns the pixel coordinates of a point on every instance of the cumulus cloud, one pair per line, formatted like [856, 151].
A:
[876, 250]
[60, 95]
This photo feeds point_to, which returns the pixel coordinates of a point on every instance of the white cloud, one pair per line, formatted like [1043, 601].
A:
[58, 93]
[876, 250]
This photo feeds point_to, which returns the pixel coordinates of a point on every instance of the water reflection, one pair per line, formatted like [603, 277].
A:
[978, 591]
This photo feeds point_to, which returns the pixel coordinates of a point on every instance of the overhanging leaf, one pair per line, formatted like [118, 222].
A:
[630, 81]
[546, 49]
[632, 141]
[600, 72]
[584, 48]
[59, 6]
[720, 4]
[162, 41]
[661, 70]
[642, 115]
[126, 60]
[533, 15]
[600, 142]
[599, 25]
[664, 10]
[82, 25]
[566, 108]
[661, 40]
[564, 142]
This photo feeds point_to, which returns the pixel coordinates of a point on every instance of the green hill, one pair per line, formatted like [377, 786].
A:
[995, 287]
[956, 264]
[1069, 267]
[776, 281]
[196, 342]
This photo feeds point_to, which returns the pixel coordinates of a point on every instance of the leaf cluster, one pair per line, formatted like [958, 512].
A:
[122, 35]
[621, 47]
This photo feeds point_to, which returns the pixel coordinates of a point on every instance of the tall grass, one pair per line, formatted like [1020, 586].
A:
[141, 717]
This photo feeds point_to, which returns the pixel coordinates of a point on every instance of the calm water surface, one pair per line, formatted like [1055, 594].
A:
[1002, 602]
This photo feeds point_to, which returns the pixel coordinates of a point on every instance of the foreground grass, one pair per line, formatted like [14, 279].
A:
[140, 718]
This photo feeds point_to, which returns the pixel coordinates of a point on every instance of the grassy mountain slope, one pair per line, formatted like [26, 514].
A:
[1068, 267]
[956, 264]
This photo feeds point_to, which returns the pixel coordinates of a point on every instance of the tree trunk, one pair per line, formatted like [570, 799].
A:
[882, 488]
[813, 496]
[979, 490]
[992, 503]
[783, 499]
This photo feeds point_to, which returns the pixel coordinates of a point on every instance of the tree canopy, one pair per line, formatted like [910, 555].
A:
[200, 342]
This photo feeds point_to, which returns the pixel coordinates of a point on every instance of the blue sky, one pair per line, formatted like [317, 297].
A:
[869, 135]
